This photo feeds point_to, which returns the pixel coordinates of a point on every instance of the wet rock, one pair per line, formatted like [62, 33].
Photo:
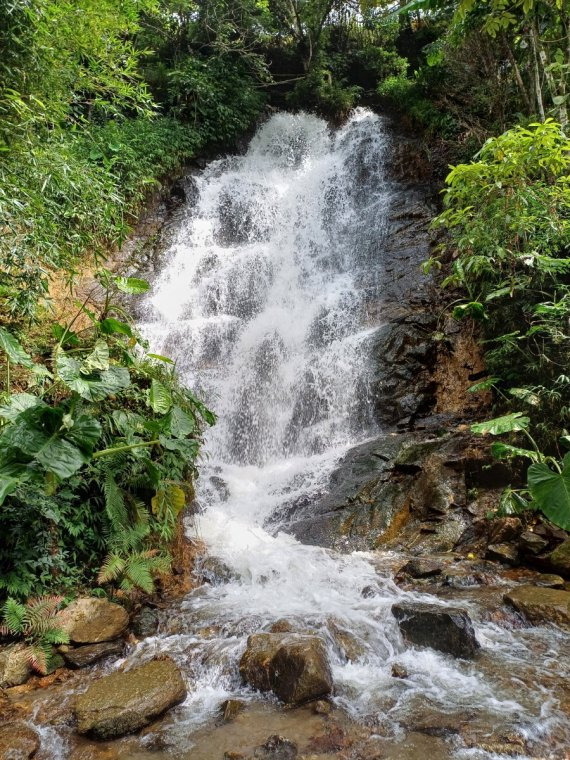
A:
[88, 620]
[282, 626]
[447, 629]
[215, 571]
[511, 745]
[532, 543]
[276, 748]
[335, 738]
[294, 666]
[399, 671]
[462, 578]
[124, 702]
[14, 667]
[505, 529]
[560, 558]
[422, 567]
[550, 581]
[18, 741]
[506, 553]
[145, 623]
[81, 657]
[369, 591]
[322, 707]
[541, 605]
[231, 708]
[347, 643]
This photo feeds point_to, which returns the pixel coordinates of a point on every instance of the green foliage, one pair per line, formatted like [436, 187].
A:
[551, 491]
[94, 463]
[35, 622]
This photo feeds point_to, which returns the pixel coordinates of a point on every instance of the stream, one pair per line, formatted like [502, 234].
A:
[264, 302]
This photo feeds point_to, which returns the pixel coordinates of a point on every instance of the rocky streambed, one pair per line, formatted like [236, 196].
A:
[354, 601]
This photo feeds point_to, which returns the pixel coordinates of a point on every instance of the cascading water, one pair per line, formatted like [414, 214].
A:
[264, 303]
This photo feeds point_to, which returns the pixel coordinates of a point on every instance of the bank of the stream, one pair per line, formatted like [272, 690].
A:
[342, 498]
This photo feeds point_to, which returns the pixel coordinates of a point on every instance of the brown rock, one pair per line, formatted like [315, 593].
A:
[347, 643]
[124, 702]
[541, 605]
[81, 657]
[231, 708]
[532, 543]
[18, 741]
[14, 667]
[276, 748]
[505, 529]
[447, 629]
[322, 707]
[293, 665]
[399, 671]
[506, 553]
[560, 558]
[422, 567]
[88, 620]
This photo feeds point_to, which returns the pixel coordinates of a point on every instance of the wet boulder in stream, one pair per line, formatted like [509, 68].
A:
[541, 605]
[124, 702]
[447, 629]
[292, 665]
[88, 620]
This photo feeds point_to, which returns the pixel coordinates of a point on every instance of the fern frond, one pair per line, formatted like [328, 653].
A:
[115, 506]
[111, 569]
[139, 574]
[14, 617]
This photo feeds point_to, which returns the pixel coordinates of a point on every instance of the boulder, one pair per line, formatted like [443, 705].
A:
[122, 703]
[541, 605]
[18, 741]
[447, 629]
[88, 620]
[348, 645]
[231, 708]
[292, 665]
[560, 558]
[14, 667]
[215, 571]
[81, 657]
[506, 553]
[505, 529]
[145, 623]
[422, 567]
[532, 543]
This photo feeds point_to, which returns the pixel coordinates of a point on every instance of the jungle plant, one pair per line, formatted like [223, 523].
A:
[36, 625]
[114, 414]
[548, 479]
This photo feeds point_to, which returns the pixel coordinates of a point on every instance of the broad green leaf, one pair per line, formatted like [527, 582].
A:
[132, 285]
[84, 433]
[160, 398]
[509, 423]
[98, 359]
[12, 475]
[181, 423]
[160, 358]
[65, 336]
[512, 503]
[188, 447]
[169, 498]
[95, 387]
[474, 309]
[484, 385]
[551, 491]
[525, 395]
[13, 349]
[111, 326]
[502, 450]
[17, 404]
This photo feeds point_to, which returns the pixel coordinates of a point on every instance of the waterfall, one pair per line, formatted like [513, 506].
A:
[264, 302]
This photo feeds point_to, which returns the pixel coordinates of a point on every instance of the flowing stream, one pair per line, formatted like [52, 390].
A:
[264, 304]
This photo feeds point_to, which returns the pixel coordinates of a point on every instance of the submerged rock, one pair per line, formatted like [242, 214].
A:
[560, 558]
[122, 703]
[88, 620]
[215, 571]
[18, 741]
[81, 657]
[541, 605]
[276, 748]
[294, 666]
[14, 666]
[447, 629]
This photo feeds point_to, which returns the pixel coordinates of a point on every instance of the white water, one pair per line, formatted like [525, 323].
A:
[262, 303]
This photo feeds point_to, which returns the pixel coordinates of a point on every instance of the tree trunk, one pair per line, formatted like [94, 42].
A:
[537, 84]
[518, 76]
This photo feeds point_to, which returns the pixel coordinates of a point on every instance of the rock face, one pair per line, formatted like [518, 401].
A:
[292, 665]
[122, 703]
[541, 605]
[18, 741]
[447, 629]
[560, 558]
[86, 655]
[88, 620]
[14, 668]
